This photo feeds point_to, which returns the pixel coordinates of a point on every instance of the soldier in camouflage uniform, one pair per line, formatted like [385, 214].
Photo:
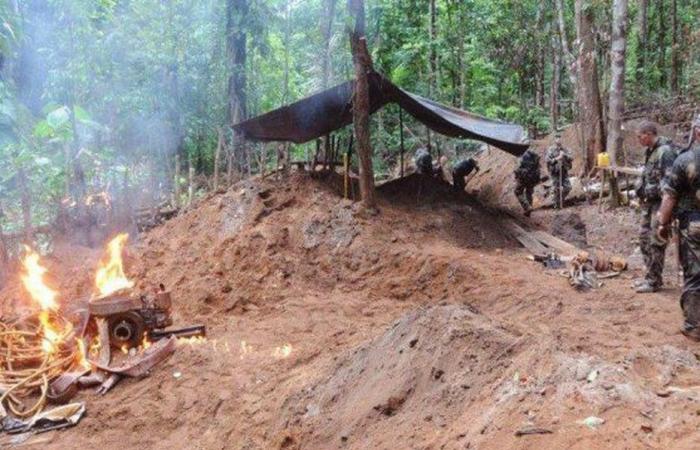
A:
[559, 163]
[527, 176]
[461, 171]
[660, 155]
[681, 190]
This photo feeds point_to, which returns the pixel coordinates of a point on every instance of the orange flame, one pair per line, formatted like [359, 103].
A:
[110, 276]
[82, 355]
[33, 281]
[44, 296]
[95, 347]
[192, 340]
[145, 343]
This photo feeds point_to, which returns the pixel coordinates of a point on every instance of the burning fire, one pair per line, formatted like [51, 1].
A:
[44, 296]
[82, 355]
[192, 340]
[110, 276]
[33, 280]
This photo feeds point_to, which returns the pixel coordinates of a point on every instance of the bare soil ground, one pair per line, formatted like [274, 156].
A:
[424, 327]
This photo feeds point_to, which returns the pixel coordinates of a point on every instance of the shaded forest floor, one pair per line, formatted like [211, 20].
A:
[424, 327]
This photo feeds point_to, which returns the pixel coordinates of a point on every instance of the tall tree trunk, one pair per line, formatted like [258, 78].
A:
[540, 57]
[617, 89]
[287, 34]
[327, 31]
[569, 60]
[176, 180]
[360, 104]
[432, 34]
[236, 55]
[217, 157]
[556, 82]
[642, 39]
[190, 180]
[460, 60]
[589, 91]
[661, 43]
[675, 60]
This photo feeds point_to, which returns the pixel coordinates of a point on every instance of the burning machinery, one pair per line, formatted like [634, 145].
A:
[131, 320]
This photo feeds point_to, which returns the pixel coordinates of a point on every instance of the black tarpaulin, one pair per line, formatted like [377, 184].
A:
[330, 110]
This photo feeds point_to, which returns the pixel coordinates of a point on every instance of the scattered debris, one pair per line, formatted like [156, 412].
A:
[582, 275]
[592, 376]
[592, 422]
[586, 270]
[532, 430]
[550, 261]
[53, 419]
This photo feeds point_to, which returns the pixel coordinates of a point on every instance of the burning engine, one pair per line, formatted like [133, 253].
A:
[130, 319]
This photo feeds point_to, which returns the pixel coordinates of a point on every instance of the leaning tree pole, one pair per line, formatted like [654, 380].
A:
[360, 104]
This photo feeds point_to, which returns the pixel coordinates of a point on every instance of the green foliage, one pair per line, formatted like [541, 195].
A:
[119, 88]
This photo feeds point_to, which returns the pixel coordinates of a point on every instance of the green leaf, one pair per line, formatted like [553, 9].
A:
[81, 114]
[43, 129]
[58, 118]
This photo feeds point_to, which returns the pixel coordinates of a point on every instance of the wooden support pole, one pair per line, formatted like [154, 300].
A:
[401, 137]
[346, 165]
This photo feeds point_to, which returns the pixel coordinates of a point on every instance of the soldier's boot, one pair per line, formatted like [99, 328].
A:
[690, 303]
[654, 255]
[646, 287]
[638, 282]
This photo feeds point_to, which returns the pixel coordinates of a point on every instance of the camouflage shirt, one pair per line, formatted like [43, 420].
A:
[528, 170]
[658, 162]
[552, 163]
[683, 182]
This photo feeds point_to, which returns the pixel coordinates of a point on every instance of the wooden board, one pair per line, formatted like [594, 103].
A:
[540, 242]
[526, 239]
[559, 246]
[626, 170]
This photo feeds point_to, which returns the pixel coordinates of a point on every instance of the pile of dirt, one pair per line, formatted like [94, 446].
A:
[297, 234]
[433, 362]
[301, 292]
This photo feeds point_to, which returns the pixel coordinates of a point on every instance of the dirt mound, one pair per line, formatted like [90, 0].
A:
[295, 233]
[298, 289]
[431, 362]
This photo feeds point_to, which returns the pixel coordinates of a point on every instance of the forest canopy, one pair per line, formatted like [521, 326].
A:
[135, 99]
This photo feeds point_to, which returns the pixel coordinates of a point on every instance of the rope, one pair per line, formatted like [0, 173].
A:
[26, 370]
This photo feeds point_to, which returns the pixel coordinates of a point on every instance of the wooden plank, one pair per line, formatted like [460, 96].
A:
[558, 245]
[525, 238]
[626, 170]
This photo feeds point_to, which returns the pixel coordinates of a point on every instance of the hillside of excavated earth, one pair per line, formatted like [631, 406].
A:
[422, 327]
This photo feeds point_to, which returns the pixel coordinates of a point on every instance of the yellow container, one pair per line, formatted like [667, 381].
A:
[603, 159]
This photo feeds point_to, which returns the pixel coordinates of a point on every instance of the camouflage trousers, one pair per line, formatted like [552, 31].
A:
[564, 187]
[653, 249]
[690, 260]
[523, 192]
